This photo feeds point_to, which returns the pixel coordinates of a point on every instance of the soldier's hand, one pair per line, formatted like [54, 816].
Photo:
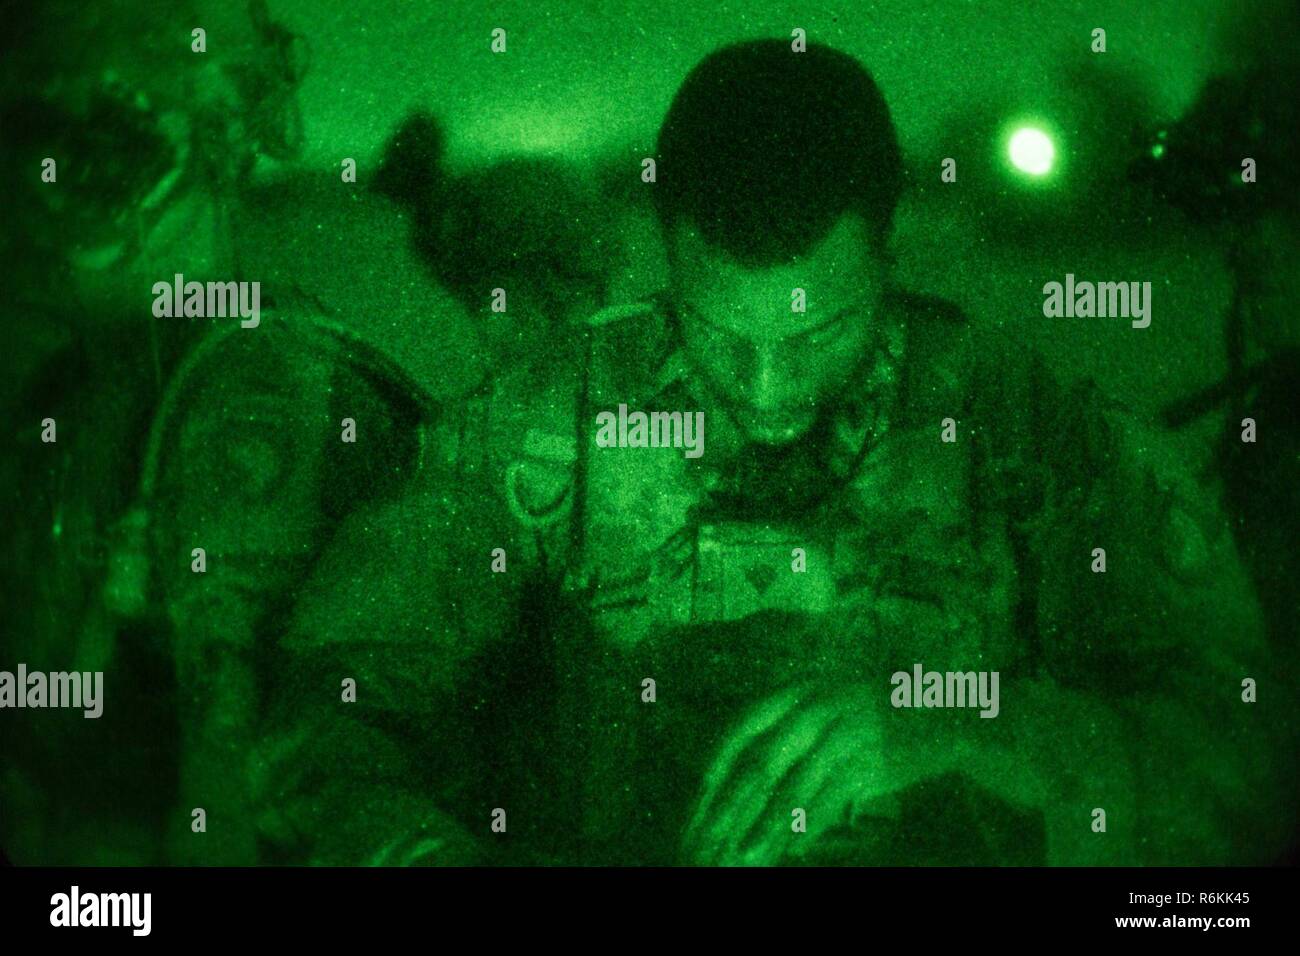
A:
[816, 751]
[837, 755]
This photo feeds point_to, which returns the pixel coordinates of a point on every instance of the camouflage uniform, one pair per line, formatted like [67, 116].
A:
[523, 690]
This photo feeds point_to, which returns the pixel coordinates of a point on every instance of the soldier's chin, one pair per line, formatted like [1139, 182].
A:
[776, 429]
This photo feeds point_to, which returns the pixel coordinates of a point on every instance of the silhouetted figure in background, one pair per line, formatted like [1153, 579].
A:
[526, 225]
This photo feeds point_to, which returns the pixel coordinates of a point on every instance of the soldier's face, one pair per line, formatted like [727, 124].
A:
[770, 365]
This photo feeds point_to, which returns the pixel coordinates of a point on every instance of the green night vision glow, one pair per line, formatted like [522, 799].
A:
[1031, 151]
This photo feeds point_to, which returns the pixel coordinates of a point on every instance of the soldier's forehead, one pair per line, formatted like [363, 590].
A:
[831, 275]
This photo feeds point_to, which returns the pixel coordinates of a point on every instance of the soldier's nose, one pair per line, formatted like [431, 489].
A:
[766, 392]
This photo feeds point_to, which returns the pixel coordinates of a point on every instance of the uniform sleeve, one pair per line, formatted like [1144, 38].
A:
[379, 726]
[1142, 601]
[235, 520]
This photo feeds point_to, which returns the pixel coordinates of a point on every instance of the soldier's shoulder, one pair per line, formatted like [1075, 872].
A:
[300, 353]
[228, 356]
[286, 384]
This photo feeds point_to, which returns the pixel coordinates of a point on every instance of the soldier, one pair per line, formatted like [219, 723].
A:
[530, 224]
[126, 151]
[560, 652]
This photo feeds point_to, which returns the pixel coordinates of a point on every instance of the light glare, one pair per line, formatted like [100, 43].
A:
[1032, 151]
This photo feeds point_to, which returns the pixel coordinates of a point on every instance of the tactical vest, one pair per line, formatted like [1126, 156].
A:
[647, 539]
[724, 585]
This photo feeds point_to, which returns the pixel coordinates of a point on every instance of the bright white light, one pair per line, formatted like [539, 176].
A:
[1032, 151]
